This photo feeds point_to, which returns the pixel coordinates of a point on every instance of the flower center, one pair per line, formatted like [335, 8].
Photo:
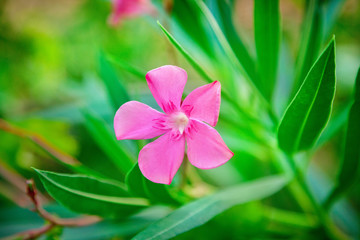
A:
[180, 121]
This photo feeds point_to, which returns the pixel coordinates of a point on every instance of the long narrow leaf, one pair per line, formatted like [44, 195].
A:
[89, 195]
[311, 40]
[267, 41]
[235, 41]
[201, 211]
[350, 165]
[309, 111]
[116, 91]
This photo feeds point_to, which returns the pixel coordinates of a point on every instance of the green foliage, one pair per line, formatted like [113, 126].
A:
[107, 142]
[267, 42]
[99, 197]
[311, 40]
[200, 211]
[224, 8]
[350, 166]
[309, 111]
[139, 186]
[116, 91]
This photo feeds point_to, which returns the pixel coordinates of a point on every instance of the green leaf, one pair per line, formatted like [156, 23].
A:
[309, 111]
[106, 140]
[139, 186]
[116, 91]
[267, 42]
[202, 210]
[337, 122]
[89, 195]
[350, 165]
[235, 41]
[193, 24]
[311, 41]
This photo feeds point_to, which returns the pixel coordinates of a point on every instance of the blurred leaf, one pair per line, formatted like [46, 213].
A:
[235, 41]
[267, 42]
[202, 210]
[350, 166]
[332, 10]
[107, 141]
[311, 41]
[89, 195]
[139, 186]
[309, 111]
[336, 123]
[116, 91]
[193, 24]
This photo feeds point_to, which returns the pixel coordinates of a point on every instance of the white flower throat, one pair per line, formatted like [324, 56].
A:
[179, 121]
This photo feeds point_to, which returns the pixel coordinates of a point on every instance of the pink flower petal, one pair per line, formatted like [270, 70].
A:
[167, 84]
[204, 103]
[160, 160]
[205, 147]
[135, 120]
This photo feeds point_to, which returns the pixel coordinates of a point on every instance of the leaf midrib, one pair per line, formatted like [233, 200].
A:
[298, 137]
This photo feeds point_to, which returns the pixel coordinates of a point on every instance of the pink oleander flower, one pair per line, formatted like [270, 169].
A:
[183, 121]
[129, 8]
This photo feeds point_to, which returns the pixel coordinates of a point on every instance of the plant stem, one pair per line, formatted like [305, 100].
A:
[323, 218]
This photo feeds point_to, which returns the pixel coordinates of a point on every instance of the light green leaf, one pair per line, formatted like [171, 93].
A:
[201, 211]
[350, 165]
[311, 41]
[309, 111]
[116, 91]
[139, 186]
[89, 195]
[267, 42]
[106, 140]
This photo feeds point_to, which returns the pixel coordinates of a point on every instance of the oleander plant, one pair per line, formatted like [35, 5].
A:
[180, 119]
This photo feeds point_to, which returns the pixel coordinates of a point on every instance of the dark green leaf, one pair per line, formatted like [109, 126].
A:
[311, 40]
[89, 195]
[107, 141]
[309, 111]
[350, 165]
[139, 186]
[267, 41]
[116, 91]
[201, 211]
